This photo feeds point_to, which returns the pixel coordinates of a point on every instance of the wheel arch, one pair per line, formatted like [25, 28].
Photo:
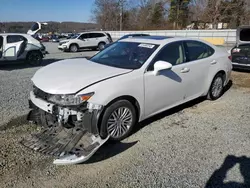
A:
[129, 98]
[31, 51]
[101, 43]
[73, 43]
[223, 72]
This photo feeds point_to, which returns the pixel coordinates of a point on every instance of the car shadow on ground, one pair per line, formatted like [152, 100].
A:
[109, 150]
[217, 178]
[174, 110]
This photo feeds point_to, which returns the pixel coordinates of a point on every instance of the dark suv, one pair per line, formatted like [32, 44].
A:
[240, 53]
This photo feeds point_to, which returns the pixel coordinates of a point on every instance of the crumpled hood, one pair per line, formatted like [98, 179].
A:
[71, 75]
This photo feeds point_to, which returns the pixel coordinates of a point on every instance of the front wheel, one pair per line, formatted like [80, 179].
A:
[34, 58]
[73, 48]
[118, 120]
[216, 88]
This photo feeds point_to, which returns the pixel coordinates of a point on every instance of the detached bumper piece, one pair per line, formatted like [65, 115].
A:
[69, 134]
[70, 146]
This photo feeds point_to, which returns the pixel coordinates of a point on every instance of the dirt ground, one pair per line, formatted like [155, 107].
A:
[241, 79]
[20, 167]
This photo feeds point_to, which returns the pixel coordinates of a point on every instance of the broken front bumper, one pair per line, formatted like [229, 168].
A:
[70, 134]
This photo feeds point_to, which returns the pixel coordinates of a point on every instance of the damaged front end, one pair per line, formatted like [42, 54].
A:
[69, 133]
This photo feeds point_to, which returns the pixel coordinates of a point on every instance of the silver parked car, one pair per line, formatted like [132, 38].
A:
[22, 47]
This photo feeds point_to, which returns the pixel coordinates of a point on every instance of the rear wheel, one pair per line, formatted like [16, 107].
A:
[34, 58]
[118, 120]
[73, 48]
[216, 88]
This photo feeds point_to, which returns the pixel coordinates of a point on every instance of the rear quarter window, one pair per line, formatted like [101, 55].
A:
[96, 35]
[197, 50]
[15, 38]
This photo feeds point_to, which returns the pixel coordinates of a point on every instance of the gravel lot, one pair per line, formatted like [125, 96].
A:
[182, 147]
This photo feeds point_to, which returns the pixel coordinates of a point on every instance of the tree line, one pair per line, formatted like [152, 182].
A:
[169, 14]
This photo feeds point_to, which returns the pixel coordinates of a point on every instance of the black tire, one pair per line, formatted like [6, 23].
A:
[73, 48]
[107, 114]
[101, 46]
[211, 94]
[34, 58]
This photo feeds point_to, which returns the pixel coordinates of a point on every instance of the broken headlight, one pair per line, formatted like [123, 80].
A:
[70, 100]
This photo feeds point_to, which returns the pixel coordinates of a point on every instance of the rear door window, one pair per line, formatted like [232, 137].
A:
[96, 35]
[15, 38]
[196, 50]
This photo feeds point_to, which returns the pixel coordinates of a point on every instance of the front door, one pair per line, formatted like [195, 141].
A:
[84, 40]
[12, 46]
[167, 89]
[1, 47]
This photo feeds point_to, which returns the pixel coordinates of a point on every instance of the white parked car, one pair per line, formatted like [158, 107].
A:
[91, 40]
[22, 47]
[83, 103]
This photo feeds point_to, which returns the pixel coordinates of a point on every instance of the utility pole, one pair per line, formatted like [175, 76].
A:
[121, 4]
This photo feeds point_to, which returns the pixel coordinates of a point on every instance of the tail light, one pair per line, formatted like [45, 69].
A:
[230, 57]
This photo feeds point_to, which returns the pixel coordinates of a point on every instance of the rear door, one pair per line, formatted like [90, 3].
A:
[95, 38]
[12, 47]
[199, 59]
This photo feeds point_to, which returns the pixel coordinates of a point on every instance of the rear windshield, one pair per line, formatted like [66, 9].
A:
[245, 35]
[35, 27]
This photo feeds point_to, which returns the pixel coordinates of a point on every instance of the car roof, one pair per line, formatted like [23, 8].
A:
[160, 40]
[5, 34]
[92, 32]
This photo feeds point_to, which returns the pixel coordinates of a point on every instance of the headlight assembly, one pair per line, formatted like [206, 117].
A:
[63, 42]
[70, 100]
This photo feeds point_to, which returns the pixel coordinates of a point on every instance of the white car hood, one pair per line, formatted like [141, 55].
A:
[71, 75]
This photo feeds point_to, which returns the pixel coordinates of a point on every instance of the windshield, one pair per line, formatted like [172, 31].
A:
[127, 55]
[74, 36]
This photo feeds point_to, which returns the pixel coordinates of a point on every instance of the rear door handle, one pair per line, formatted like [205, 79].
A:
[185, 70]
[213, 62]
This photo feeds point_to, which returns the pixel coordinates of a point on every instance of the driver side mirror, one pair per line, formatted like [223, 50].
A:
[161, 65]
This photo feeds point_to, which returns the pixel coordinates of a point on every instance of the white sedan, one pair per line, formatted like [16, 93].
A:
[83, 103]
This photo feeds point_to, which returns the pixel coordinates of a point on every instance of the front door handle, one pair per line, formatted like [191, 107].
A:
[213, 62]
[185, 70]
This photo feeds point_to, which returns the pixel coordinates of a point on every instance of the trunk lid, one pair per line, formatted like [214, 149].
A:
[243, 35]
[37, 26]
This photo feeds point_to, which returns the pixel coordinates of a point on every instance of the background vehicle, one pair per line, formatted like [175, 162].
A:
[54, 38]
[91, 40]
[17, 46]
[45, 39]
[240, 54]
[128, 36]
[104, 97]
